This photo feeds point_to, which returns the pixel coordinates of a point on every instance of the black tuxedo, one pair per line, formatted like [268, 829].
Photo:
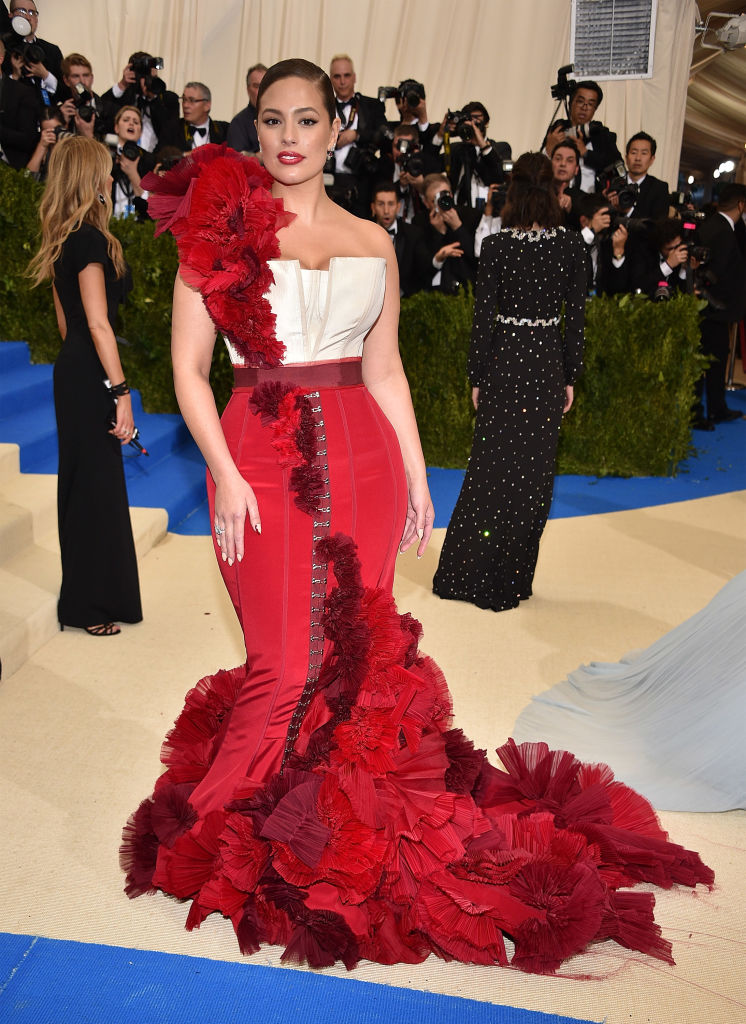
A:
[20, 110]
[457, 270]
[104, 122]
[242, 131]
[163, 108]
[371, 117]
[353, 181]
[605, 278]
[652, 201]
[145, 163]
[604, 149]
[52, 60]
[412, 257]
[466, 159]
[572, 217]
[728, 288]
[180, 134]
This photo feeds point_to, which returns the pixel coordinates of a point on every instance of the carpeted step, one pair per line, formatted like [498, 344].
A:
[12, 355]
[28, 511]
[25, 387]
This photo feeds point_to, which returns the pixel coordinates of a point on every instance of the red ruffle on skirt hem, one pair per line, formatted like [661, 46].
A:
[387, 836]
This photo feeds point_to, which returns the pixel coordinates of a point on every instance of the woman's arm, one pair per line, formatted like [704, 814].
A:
[60, 314]
[93, 296]
[384, 377]
[192, 344]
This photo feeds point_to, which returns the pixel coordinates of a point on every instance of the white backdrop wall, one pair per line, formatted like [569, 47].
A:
[503, 52]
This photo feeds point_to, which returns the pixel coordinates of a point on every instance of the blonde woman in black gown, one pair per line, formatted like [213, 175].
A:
[85, 263]
[522, 367]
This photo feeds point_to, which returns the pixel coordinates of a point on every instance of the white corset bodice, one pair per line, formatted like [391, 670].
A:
[324, 314]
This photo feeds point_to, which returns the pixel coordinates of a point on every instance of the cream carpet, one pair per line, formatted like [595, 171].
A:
[81, 725]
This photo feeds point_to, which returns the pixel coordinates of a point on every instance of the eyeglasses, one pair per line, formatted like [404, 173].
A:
[579, 101]
[193, 99]
[26, 11]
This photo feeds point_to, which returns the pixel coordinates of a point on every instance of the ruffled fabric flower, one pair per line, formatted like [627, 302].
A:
[218, 206]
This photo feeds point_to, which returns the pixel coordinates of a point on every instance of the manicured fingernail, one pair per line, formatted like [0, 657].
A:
[420, 534]
[240, 558]
[258, 527]
[230, 561]
[224, 555]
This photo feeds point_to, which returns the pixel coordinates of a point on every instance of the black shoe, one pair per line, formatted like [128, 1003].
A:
[703, 423]
[727, 415]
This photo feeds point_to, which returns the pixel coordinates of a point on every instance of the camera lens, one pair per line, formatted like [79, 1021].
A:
[445, 201]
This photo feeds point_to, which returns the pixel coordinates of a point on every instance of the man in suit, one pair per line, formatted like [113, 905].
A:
[45, 72]
[666, 259]
[651, 201]
[77, 71]
[596, 144]
[475, 163]
[141, 87]
[411, 253]
[565, 176]
[610, 270]
[242, 130]
[726, 291]
[353, 161]
[196, 128]
[20, 111]
[406, 164]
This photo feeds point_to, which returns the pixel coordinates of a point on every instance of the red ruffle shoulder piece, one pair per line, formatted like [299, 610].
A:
[218, 205]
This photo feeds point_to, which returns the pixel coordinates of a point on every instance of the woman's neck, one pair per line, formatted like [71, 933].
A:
[306, 199]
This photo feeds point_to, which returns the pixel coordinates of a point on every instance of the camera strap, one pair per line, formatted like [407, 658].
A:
[347, 121]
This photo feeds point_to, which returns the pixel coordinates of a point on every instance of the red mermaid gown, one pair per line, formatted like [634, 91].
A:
[318, 795]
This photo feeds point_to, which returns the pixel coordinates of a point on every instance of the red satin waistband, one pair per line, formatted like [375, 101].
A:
[339, 373]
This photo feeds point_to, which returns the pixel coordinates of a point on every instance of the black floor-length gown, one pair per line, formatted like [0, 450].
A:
[99, 566]
[521, 361]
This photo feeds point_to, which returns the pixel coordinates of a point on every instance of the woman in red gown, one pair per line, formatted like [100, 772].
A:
[317, 795]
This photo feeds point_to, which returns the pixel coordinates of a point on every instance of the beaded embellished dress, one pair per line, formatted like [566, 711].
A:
[318, 795]
[521, 361]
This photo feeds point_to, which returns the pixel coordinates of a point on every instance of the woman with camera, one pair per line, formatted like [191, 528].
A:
[522, 368]
[131, 164]
[92, 400]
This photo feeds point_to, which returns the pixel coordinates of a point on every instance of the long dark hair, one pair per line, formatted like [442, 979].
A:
[296, 67]
[531, 198]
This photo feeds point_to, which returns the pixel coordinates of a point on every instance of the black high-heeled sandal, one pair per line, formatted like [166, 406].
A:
[103, 629]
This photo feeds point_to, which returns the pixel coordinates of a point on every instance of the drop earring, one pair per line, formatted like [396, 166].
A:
[101, 199]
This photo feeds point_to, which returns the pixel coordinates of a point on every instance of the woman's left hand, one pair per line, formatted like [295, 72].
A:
[569, 395]
[420, 519]
[125, 424]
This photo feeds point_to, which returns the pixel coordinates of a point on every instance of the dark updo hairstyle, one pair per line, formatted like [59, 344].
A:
[296, 67]
[531, 199]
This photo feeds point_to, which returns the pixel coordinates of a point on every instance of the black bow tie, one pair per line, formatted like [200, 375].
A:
[391, 232]
[199, 131]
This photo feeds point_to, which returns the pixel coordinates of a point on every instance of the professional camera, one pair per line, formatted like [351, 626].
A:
[564, 88]
[445, 201]
[411, 92]
[386, 92]
[681, 201]
[144, 67]
[130, 149]
[458, 123]
[609, 174]
[33, 54]
[84, 102]
[627, 192]
[410, 161]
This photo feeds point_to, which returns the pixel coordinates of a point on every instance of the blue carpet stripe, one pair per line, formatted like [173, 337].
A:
[174, 476]
[49, 981]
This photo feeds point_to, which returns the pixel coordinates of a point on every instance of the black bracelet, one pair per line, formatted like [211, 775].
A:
[118, 390]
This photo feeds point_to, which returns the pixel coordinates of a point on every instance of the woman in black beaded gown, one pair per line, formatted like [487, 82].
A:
[522, 367]
[85, 261]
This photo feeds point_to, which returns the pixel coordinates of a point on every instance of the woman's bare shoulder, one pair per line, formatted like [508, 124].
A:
[360, 237]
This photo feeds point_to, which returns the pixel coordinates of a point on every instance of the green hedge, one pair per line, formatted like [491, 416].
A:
[632, 410]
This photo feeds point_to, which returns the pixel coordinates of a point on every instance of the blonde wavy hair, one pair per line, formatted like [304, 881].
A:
[76, 176]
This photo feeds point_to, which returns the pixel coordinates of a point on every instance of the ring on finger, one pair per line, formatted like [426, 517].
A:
[219, 530]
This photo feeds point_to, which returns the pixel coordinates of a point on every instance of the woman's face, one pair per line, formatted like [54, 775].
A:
[294, 131]
[129, 127]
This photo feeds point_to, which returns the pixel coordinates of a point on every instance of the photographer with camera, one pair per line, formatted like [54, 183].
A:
[665, 274]
[354, 163]
[42, 59]
[596, 144]
[131, 164]
[449, 236]
[53, 127]
[610, 272]
[242, 129]
[722, 281]
[141, 87]
[476, 162]
[20, 109]
[196, 128]
[639, 194]
[406, 165]
[83, 108]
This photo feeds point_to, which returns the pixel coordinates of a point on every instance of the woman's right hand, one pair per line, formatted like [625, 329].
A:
[234, 500]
